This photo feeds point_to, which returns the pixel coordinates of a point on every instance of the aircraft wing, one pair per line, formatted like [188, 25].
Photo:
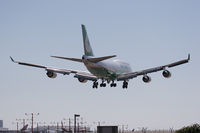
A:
[52, 70]
[131, 75]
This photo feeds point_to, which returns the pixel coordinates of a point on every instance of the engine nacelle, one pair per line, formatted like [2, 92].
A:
[82, 80]
[146, 79]
[166, 74]
[51, 74]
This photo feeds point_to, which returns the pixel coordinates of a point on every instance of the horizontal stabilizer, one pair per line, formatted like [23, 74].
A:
[92, 59]
[98, 59]
[72, 59]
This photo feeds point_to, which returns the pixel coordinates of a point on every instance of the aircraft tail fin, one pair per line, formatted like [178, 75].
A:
[87, 48]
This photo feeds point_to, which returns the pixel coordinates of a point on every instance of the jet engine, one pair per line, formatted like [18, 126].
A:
[166, 74]
[51, 74]
[82, 80]
[146, 79]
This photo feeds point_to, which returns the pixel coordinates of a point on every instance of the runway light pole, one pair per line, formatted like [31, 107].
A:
[23, 121]
[143, 129]
[171, 129]
[69, 126]
[32, 114]
[75, 115]
[17, 124]
[82, 125]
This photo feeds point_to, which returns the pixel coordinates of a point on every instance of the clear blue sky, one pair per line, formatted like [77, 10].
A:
[142, 32]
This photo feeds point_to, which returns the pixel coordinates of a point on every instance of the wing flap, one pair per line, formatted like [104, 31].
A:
[60, 71]
[86, 76]
[127, 76]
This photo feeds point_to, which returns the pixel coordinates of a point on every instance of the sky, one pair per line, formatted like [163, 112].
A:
[141, 32]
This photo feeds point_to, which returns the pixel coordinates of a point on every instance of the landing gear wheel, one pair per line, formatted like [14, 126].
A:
[103, 85]
[125, 85]
[113, 84]
[95, 85]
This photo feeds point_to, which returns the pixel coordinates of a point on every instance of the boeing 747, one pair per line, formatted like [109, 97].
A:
[100, 68]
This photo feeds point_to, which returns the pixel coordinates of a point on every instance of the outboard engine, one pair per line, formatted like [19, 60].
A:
[51, 74]
[146, 79]
[166, 74]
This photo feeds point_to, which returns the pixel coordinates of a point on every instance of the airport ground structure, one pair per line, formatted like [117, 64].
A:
[59, 129]
[53, 131]
[79, 129]
[56, 128]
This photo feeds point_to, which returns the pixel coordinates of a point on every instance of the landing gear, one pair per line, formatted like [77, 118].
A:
[95, 84]
[103, 84]
[113, 84]
[125, 85]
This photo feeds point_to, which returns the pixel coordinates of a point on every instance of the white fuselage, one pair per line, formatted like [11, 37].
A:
[108, 69]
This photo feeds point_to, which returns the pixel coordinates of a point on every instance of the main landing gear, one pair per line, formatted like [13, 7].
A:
[103, 84]
[113, 84]
[125, 85]
[95, 84]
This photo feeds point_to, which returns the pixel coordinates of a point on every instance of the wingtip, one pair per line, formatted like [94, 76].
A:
[12, 59]
[188, 56]
[53, 56]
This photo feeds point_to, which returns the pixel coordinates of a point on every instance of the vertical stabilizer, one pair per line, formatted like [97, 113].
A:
[87, 48]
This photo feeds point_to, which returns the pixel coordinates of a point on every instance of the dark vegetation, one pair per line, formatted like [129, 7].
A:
[195, 128]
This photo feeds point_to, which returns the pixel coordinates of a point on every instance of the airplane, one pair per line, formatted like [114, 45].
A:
[100, 68]
[24, 128]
